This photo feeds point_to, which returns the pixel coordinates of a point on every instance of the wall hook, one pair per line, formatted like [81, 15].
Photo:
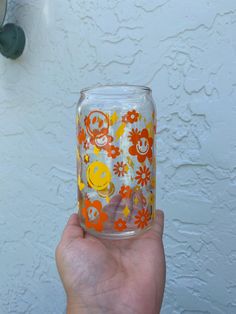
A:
[12, 37]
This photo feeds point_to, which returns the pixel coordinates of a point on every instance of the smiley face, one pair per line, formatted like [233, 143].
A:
[98, 175]
[97, 124]
[93, 213]
[142, 146]
[101, 141]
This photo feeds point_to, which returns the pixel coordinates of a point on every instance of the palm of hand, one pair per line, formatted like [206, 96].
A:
[108, 276]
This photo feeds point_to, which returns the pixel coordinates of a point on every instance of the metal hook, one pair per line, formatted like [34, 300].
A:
[12, 37]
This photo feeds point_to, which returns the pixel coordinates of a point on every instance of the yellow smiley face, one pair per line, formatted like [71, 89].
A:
[98, 175]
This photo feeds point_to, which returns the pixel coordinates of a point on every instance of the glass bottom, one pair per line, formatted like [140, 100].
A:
[117, 236]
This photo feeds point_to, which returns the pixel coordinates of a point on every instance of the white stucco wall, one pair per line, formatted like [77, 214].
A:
[186, 51]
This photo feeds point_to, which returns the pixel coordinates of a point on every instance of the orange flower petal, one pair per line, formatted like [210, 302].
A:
[142, 218]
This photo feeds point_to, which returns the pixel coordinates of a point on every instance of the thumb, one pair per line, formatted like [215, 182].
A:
[72, 229]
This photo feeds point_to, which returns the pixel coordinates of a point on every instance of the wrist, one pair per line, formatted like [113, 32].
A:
[80, 308]
[73, 308]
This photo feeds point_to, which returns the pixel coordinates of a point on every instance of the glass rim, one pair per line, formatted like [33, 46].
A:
[116, 89]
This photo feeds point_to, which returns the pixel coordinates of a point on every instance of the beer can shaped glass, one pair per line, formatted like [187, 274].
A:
[116, 160]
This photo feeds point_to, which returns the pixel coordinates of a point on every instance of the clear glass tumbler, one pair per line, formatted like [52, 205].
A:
[116, 164]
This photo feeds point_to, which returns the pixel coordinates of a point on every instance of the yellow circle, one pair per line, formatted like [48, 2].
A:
[98, 175]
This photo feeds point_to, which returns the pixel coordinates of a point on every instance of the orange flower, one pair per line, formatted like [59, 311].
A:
[131, 117]
[134, 135]
[143, 175]
[94, 217]
[120, 168]
[81, 136]
[125, 191]
[112, 151]
[86, 145]
[142, 145]
[120, 225]
[142, 218]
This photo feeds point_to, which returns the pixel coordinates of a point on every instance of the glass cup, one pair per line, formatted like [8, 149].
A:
[116, 164]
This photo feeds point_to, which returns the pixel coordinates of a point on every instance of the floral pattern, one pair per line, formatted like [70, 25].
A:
[143, 175]
[120, 225]
[120, 169]
[113, 151]
[134, 135]
[131, 117]
[125, 191]
[142, 145]
[94, 217]
[142, 218]
[115, 167]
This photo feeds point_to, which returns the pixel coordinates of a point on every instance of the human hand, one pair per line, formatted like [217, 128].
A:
[112, 276]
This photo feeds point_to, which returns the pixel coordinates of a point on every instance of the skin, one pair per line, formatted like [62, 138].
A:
[112, 276]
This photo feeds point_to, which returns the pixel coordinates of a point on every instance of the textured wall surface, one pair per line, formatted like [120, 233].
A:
[186, 51]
